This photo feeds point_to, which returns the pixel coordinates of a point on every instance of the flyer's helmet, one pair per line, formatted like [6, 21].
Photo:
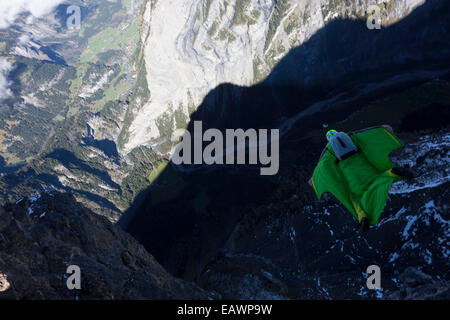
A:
[330, 134]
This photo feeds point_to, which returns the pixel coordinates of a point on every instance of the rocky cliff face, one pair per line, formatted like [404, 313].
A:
[299, 248]
[91, 112]
[292, 248]
[191, 47]
[41, 236]
[416, 285]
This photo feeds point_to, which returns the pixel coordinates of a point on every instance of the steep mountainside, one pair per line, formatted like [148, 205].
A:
[398, 75]
[297, 247]
[292, 248]
[194, 46]
[92, 111]
[69, 93]
[41, 236]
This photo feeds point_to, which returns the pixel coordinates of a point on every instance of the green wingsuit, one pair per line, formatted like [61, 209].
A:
[362, 181]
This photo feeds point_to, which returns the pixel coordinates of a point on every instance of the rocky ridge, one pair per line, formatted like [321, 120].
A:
[41, 236]
[301, 248]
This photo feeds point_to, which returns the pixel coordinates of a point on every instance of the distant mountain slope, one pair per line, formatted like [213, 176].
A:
[70, 92]
[193, 47]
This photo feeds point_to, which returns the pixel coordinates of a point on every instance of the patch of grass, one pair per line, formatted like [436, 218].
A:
[157, 171]
[256, 14]
[10, 158]
[291, 23]
[180, 118]
[58, 117]
[280, 10]
[110, 39]
[84, 27]
[213, 30]
[240, 16]
[165, 123]
[78, 80]
[226, 35]
[191, 104]
[207, 8]
[119, 85]
[258, 70]
[141, 176]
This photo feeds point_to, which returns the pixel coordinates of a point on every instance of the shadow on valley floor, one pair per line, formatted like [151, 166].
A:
[185, 218]
[5, 168]
[69, 160]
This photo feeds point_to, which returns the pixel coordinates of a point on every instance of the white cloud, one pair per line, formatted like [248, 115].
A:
[5, 68]
[10, 9]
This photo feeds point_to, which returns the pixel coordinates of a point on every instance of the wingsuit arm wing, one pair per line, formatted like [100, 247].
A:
[328, 178]
[385, 126]
[377, 144]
